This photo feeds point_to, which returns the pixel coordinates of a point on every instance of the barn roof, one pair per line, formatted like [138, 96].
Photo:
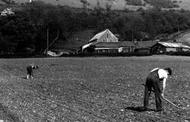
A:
[114, 44]
[145, 44]
[173, 45]
[104, 36]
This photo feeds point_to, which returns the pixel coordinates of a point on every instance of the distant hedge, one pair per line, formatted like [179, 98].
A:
[111, 54]
[180, 53]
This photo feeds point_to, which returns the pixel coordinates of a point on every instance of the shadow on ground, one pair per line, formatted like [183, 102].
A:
[24, 77]
[138, 109]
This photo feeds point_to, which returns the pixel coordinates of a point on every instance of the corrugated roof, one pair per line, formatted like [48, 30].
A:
[174, 45]
[145, 44]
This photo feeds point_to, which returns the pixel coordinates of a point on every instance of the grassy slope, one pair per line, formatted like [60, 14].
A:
[183, 37]
[185, 4]
[120, 4]
[89, 89]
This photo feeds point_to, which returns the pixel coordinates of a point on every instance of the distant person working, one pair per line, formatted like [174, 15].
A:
[29, 70]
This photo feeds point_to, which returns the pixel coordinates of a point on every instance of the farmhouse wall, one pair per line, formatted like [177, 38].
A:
[171, 49]
[105, 50]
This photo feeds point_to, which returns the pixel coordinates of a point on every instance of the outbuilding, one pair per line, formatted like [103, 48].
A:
[144, 47]
[169, 47]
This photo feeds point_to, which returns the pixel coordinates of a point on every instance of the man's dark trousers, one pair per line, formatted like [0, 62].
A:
[153, 83]
[29, 70]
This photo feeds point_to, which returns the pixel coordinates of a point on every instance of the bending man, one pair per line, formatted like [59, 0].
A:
[29, 70]
[156, 81]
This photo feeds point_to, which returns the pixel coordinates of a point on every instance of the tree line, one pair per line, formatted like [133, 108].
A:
[33, 23]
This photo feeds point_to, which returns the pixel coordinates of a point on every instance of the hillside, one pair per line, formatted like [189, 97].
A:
[121, 4]
[185, 4]
[122, 26]
[184, 37]
[116, 4]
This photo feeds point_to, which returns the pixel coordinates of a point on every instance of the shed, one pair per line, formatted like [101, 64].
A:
[168, 47]
[144, 47]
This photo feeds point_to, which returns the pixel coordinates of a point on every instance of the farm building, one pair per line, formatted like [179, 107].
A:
[144, 47]
[112, 47]
[104, 36]
[107, 42]
[168, 47]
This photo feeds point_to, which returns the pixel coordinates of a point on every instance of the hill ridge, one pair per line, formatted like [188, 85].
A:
[120, 4]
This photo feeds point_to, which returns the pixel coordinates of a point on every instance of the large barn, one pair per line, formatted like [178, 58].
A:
[112, 47]
[106, 42]
[104, 36]
[168, 47]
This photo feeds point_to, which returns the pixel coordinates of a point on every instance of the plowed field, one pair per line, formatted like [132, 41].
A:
[92, 89]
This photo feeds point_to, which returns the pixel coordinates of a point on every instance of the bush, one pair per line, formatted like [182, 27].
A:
[180, 53]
